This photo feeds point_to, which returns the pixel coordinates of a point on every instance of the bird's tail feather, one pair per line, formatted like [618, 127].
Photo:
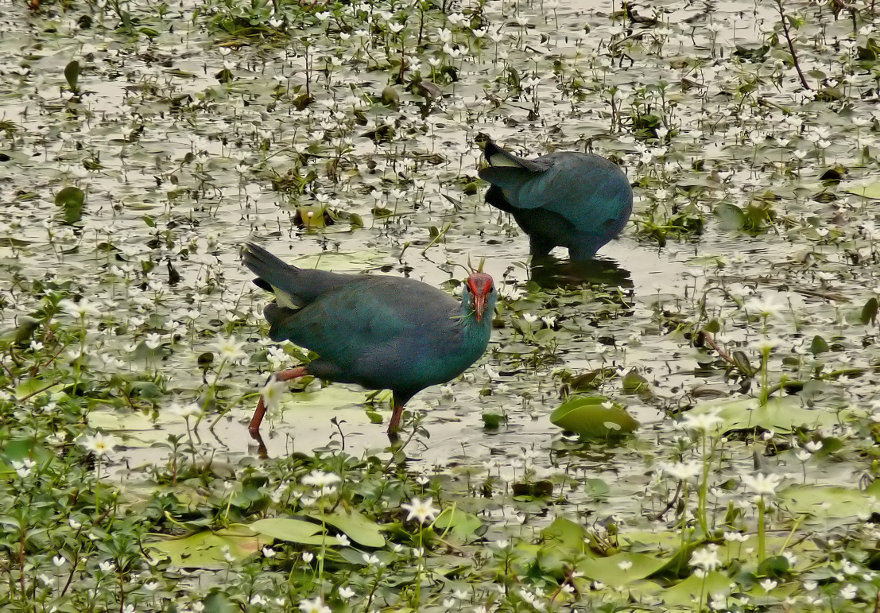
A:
[293, 287]
[499, 158]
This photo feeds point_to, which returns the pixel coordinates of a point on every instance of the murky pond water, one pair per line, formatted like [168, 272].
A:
[186, 134]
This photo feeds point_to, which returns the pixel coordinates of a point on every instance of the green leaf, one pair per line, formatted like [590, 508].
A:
[30, 386]
[689, 591]
[310, 216]
[633, 383]
[867, 191]
[774, 566]
[492, 421]
[356, 527]
[818, 345]
[71, 199]
[869, 312]
[292, 530]
[218, 602]
[622, 568]
[566, 533]
[828, 502]
[742, 363]
[587, 417]
[730, 216]
[462, 524]
[779, 414]
[71, 74]
[208, 549]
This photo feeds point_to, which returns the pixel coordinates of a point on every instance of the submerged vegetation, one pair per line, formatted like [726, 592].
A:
[714, 392]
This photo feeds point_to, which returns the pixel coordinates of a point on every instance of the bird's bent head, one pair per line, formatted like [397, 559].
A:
[480, 286]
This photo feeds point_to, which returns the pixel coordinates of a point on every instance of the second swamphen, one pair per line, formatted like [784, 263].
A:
[569, 199]
[378, 331]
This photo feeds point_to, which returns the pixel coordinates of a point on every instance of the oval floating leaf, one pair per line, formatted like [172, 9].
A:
[292, 530]
[71, 199]
[779, 414]
[819, 345]
[593, 417]
[869, 312]
[730, 216]
[207, 549]
[71, 73]
[356, 527]
[462, 524]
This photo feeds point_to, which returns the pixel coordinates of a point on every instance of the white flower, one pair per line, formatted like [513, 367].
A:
[767, 305]
[343, 540]
[813, 446]
[78, 309]
[762, 484]
[319, 478]
[529, 317]
[371, 559]
[706, 559]
[268, 552]
[186, 410]
[59, 561]
[849, 591]
[107, 567]
[345, 592]
[314, 606]
[153, 340]
[272, 393]
[682, 470]
[421, 510]
[23, 468]
[705, 422]
[98, 443]
[768, 584]
[308, 557]
[229, 349]
[624, 565]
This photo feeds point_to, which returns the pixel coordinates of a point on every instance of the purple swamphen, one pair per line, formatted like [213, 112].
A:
[377, 331]
[575, 200]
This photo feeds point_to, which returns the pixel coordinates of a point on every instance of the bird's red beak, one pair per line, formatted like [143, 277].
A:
[480, 285]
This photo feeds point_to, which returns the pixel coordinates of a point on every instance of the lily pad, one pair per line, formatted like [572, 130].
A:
[871, 190]
[593, 417]
[71, 199]
[830, 502]
[356, 527]
[209, 550]
[292, 530]
[779, 414]
[461, 524]
[621, 568]
[686, 593]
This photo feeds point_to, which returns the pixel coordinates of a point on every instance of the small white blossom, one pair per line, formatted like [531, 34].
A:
[421, 510]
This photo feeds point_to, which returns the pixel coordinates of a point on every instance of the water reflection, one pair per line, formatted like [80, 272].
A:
[551, 273]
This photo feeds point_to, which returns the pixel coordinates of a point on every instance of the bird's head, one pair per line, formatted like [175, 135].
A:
[481, 290]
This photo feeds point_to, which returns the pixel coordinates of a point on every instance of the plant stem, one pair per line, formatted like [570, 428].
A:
[761, 530]
[791, 50]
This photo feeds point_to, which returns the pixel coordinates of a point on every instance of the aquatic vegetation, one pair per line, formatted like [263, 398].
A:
[713, 378]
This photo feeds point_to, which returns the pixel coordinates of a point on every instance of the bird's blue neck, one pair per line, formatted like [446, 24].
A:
[477, 332]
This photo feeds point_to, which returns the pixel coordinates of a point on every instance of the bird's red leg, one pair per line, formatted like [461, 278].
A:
[284, 375]
[396, 414]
